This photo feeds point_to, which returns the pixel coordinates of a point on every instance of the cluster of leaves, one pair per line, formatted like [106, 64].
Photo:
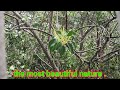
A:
[61, 41]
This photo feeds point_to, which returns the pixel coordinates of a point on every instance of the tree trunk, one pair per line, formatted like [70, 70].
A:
[3, 74]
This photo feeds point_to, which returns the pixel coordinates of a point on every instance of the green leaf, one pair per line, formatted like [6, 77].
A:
[70, 33]
[52, 48]
[70, 47]
[74, 44]
[51, 43]
[57, 45]
[61, 50]
[58, 32]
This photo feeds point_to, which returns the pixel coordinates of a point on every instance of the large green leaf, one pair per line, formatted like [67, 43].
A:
[61, 50]
[52, 48]
[52, 42]
[70, 33]
[57, 45]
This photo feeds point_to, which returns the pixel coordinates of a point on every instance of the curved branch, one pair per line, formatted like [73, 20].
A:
[108, 55]
[36, 30]
[39, 41]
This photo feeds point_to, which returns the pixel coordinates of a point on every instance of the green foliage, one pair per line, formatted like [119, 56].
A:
[56, 44]
[71, 33]
[70, 47]
[52, 44]
[25, 52]
[61, 50]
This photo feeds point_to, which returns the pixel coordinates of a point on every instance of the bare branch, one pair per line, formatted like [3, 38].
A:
[39, 41]
[30, 28]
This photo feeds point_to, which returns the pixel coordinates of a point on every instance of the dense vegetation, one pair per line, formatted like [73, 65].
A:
[76, 40]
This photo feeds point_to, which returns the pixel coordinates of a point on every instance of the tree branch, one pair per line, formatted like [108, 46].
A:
[30, 28]
[107, 55]
[39, 41]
